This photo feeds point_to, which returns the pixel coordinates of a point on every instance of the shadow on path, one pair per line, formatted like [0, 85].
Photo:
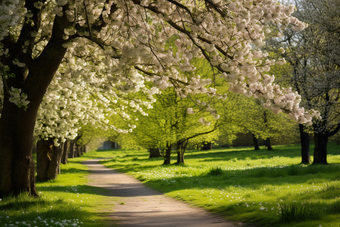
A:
[139, 206]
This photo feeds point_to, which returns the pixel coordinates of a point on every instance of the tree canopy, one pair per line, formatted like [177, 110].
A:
[113, 47]
[313, 66]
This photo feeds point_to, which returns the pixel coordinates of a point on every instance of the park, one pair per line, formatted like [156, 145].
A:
[169, 113]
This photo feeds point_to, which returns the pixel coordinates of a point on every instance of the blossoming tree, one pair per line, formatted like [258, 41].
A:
[313, 55]
[65, 104]
[171, 123]
[127, 36]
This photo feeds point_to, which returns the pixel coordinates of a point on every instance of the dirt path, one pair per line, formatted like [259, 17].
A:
[140, 206]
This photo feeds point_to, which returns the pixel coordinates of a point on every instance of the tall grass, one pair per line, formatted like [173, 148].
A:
[308, 211]
[301, 212]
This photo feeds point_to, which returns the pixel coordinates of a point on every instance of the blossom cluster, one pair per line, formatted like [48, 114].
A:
[18, 98]
[10, 16]
[115, 47]
[76, 97]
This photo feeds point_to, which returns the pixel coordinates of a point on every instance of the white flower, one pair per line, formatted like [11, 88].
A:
[190, 111]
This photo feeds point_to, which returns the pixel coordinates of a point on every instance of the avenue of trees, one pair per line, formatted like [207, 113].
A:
[65, 64]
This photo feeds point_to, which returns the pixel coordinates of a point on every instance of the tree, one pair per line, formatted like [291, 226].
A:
[48, 160]
[110, 41]
[283, 72]
[62, 113]
[172, 122]
[325, 17]
[314, 70]
[248, 115]
[66, 148]
[169, 124]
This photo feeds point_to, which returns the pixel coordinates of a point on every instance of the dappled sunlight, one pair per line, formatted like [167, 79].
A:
[243, 184]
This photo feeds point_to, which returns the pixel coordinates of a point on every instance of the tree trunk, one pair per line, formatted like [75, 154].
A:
[207, 146]
[79, 152]
[267, 141]
[180, 157]
[268, 144]
[76, 150]
[71, 153]
[320, 148]
[17, 167]
[256, 143]
[17, 171]
[154, 153]
[305, 156]
[180, 152]
[167, 156]
[48, 160]
[66, 149]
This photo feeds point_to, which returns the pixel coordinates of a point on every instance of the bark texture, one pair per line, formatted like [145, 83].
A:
[17, 168]
[180, 157]
[48, 160]
[320, 148]
[17, 124]
[305, 154]
[71, 152]
[167, 156]
[181, 146]
[66, 149]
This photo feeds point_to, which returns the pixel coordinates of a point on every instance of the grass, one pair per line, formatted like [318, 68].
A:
[263, 188]
[66, 201]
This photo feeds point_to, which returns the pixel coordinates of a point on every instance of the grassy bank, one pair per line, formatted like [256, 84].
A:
[67, 201]
[265, 188]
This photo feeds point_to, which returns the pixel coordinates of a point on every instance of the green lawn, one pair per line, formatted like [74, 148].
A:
[265, 188]
[67, 201]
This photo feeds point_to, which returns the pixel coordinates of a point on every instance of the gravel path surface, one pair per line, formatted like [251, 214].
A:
[140, 206]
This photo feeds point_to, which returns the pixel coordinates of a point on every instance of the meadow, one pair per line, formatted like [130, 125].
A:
[262, 188]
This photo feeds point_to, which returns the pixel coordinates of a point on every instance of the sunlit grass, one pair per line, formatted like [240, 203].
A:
[264, 188]
[67, 201]
[267, 188]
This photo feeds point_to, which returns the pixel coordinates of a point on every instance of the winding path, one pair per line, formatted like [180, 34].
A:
[139, 206]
